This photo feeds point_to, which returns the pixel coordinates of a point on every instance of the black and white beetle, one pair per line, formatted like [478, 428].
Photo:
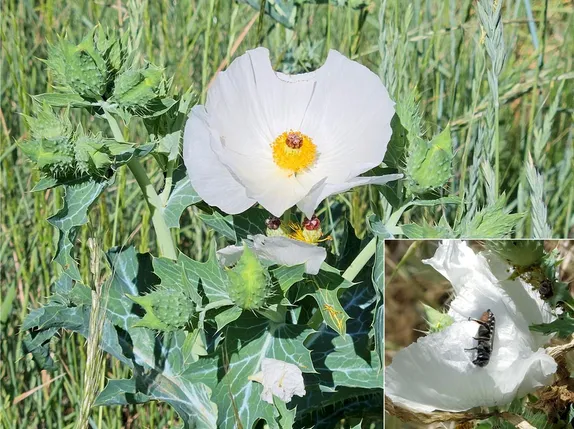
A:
[485, 338]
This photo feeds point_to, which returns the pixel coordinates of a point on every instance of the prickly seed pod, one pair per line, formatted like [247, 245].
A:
[519, 253]
[249, 283]
[166, 309]
[135, 88]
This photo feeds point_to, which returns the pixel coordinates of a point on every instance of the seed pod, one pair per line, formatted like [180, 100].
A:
[249, 283]
[166, 309]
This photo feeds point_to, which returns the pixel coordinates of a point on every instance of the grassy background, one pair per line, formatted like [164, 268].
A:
[439, 53]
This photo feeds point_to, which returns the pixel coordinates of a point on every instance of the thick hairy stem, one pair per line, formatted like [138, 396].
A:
[165, 243]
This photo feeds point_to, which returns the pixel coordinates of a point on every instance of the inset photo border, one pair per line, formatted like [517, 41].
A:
[479, 333]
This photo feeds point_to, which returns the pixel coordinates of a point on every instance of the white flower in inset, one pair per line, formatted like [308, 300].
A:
[284, 140]
[437, 373]
[277, 250]
[279, 378]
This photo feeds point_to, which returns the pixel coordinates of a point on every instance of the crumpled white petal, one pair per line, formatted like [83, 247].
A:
[279, 378]
[278, 250]
[437, 373]
[342, 106]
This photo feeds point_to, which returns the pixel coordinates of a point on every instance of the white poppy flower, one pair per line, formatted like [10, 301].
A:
[284, 140]
[278, 250]
[279, 378]
[437, 372]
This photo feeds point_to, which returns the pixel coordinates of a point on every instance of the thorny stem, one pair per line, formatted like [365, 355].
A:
[165, 243]
[361, 260]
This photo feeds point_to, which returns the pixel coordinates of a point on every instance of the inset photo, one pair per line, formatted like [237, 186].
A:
[479, 334]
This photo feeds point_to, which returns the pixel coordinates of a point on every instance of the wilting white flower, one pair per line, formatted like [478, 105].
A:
[437, 373]
[277, 250]
[279, 378]
[284, 140]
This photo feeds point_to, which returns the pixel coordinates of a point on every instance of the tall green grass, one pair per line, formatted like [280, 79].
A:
[432, 51]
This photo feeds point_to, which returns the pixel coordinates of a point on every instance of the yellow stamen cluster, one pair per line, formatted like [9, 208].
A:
[294, 151]
[311, 236]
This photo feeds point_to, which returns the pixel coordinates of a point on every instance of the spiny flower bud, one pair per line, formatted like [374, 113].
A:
[135, 88]
[249, 283]
[91, 154]
[166, 309]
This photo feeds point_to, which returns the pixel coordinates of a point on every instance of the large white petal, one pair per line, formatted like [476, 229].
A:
[324, 189]
[349, 118]
[528, 301]
[285, 251]
[277, 250]
[209, 177]
[456, 261]
[436, 373]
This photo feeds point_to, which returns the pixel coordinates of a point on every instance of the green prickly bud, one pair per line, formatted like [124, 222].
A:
[429, 165]
[48, 125]
[135, 88]
[82, 68]
[519, 253]
[54, 157]
[249, 283]
[91, 154]
[166, 310]
[436, 320]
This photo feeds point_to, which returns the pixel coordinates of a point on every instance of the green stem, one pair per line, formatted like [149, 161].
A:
[163, 234]
[361, 260]
[165, 243]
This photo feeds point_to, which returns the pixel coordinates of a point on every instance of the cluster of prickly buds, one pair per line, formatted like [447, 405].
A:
[166, 309]
[90, 67]
[63, 153]
[99, 68]
[249, 283]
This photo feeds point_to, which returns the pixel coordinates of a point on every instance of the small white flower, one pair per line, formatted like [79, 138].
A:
[437, 373]
[283, 140]
[278, 250]
[279, 378]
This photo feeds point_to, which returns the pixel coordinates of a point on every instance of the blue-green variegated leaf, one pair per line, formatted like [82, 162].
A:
[325, 288]
[247, 342]
[78, 199]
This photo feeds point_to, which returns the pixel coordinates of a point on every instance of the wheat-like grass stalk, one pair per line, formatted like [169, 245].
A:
[538, 210]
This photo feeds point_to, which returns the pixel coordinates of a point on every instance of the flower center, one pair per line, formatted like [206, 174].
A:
[294, 151]
[309, 232]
